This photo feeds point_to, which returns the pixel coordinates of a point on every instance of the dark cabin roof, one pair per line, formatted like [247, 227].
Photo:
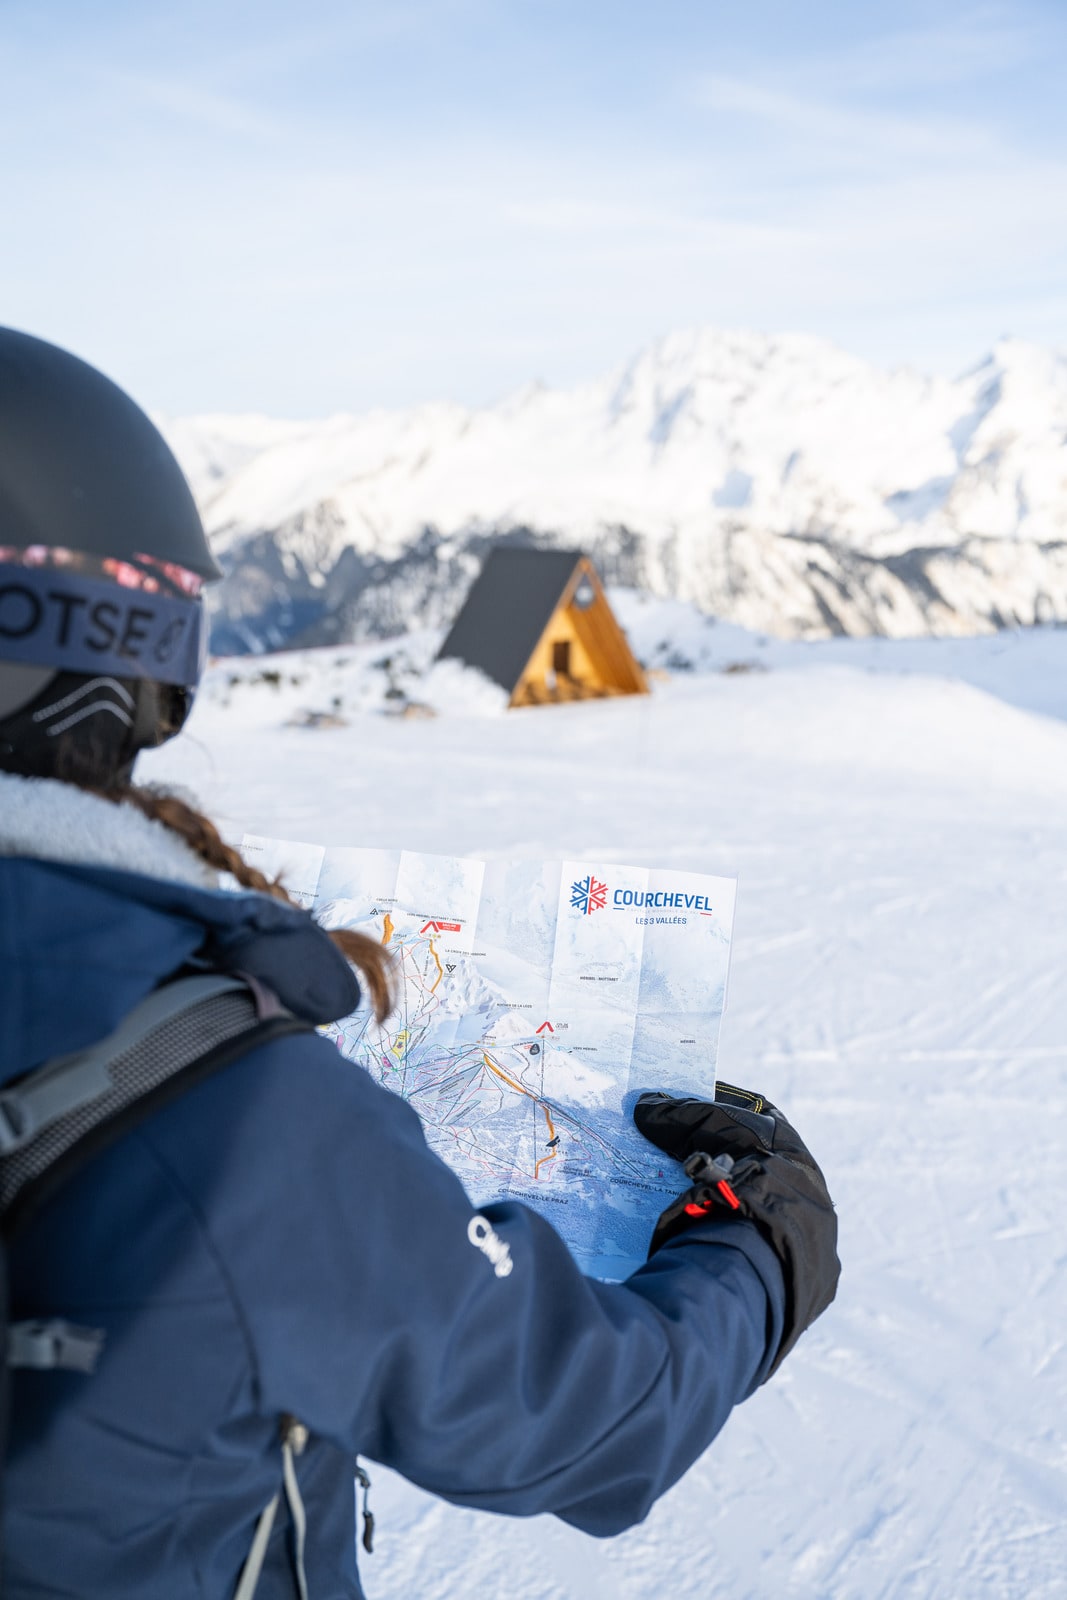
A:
[508, 609]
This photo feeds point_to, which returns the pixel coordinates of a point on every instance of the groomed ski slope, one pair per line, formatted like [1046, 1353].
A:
[899, 984]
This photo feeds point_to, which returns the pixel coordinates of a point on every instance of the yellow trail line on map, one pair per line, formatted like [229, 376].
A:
[440, 968]
[551, 1134]
[387, 929]
[523, 1090]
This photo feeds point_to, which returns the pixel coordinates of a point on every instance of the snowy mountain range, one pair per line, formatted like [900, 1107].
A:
[777, 482]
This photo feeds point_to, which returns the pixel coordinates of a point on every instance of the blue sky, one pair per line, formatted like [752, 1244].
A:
[301, 208]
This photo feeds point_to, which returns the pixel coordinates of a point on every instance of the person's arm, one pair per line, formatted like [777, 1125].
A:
[471, 1356]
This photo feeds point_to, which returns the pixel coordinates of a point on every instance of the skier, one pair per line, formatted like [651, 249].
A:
[275, 1273]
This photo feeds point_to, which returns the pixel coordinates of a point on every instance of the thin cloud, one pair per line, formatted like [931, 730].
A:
[876, 99]
[210, 109]
[855, 133]
[586, 214]
[974, 46]
[343, 32]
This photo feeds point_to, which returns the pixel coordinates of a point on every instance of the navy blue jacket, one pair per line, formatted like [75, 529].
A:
[280, 1239]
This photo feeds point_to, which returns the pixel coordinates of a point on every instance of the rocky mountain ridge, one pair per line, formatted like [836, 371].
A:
[777, 482]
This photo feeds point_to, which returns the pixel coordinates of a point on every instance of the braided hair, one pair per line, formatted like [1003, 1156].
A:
[204, 839]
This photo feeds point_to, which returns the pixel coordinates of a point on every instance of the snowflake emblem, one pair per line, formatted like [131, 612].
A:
[589, 894]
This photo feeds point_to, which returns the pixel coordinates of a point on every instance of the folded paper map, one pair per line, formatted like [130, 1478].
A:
[536, 1000]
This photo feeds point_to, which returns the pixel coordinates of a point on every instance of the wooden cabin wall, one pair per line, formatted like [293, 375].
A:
[538, 673]
[603, 639]
[605, 646]
[601, 661]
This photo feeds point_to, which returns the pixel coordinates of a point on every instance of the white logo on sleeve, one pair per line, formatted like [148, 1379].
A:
[490, 1244]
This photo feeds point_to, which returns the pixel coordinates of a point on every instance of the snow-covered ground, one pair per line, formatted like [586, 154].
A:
[896, 812]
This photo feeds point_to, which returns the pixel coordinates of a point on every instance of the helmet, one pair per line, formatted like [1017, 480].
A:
[102, 560]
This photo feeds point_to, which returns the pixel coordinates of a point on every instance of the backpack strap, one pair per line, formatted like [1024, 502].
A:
[58, 1117]
[67, 1083]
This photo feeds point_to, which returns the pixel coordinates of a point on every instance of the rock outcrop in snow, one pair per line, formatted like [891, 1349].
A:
[777, 482]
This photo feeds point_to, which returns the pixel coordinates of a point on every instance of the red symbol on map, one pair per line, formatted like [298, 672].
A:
[545, 1025]
[442, 927]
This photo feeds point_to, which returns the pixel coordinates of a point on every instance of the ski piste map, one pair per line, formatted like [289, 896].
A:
[536, 1001]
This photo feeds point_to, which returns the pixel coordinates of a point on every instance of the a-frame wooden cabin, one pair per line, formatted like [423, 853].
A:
[539, 624]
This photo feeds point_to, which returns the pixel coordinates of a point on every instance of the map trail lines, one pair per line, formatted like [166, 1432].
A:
[535, 1001]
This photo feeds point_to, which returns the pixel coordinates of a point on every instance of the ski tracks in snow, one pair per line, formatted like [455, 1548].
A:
[899, 985]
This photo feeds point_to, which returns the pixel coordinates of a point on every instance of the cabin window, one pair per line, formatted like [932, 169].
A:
[561, 657]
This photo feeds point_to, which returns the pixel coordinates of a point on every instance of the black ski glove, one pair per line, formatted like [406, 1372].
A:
[747, 1160]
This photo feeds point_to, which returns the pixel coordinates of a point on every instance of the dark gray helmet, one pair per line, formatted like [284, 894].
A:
[102, 558]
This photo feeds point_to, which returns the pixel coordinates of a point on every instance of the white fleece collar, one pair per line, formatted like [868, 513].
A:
[58, 822]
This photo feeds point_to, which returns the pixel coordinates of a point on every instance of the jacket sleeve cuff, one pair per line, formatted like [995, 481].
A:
[745, 1237]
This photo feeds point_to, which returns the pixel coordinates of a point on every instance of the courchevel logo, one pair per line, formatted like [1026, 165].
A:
[589, 895]
[483, 1238]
